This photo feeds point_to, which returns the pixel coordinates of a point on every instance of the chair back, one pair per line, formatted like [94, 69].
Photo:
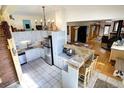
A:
[90, 71]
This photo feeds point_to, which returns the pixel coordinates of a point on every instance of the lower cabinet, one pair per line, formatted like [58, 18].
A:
[70, 78]
[42, 52]
[33, 54]
[59, 61]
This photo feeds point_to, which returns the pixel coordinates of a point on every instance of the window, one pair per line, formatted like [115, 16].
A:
[106, 29]
[116, 26]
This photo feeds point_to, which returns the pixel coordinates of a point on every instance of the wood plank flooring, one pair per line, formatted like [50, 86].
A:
[103, 64]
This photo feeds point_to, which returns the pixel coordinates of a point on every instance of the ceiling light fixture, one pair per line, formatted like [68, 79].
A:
[48, 24]
[44, 19]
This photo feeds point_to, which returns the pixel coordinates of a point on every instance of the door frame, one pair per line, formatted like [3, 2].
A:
[14, 54]
[73, 33]
[16, 62]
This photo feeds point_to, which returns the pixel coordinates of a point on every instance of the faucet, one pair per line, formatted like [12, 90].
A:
[28, 45]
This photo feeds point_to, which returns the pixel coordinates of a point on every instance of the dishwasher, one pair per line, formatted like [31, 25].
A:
[22, 58]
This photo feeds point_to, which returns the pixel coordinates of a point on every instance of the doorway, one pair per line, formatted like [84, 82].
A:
[94, 31]
[82, 34]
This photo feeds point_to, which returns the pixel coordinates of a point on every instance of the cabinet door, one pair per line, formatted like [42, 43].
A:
[42, 52]
[59, 62]
[70, 78]
[29, 55]
[32, 54]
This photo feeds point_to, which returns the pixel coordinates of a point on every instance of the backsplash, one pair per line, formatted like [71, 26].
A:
[29, 36]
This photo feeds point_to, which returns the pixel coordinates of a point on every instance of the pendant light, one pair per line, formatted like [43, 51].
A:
[44, 19]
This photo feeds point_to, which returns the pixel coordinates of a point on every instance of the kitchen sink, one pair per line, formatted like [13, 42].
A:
[29, 48]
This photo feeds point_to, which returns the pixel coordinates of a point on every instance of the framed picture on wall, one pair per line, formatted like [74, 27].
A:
[27, 25]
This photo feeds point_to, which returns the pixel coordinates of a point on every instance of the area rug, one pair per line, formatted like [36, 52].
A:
[102, 84]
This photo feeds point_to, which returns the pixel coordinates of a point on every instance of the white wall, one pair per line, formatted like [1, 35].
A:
[64, 14]
[18, 22]
[60, 19]
[90, 13]
[27, 13]
[82, 13]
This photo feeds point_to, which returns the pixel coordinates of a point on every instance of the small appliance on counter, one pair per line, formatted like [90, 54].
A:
[69, 51]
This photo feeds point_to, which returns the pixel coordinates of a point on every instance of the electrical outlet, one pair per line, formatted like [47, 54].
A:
[0, 80]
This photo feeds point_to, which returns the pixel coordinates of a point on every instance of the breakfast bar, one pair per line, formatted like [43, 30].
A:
[71, 75]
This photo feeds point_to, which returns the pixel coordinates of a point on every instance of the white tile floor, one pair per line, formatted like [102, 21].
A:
[38, 74]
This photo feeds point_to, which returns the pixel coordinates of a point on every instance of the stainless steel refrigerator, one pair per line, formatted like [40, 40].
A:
[54, 46]
[48, 50]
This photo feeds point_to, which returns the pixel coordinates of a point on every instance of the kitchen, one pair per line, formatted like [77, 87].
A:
[33, 45]
[51, 48]
[46, 58]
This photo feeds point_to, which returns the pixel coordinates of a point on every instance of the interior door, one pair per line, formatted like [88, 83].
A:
[72, 34]
[82, 34]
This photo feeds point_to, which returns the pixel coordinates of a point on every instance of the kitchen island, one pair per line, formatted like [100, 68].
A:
[117, 51]
[70, 72]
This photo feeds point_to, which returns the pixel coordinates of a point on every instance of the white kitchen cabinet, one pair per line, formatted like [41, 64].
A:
[33, 54]
[42, 52]
[70, 78]
[59, 62]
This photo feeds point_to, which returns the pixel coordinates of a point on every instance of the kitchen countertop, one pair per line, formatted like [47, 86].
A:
[25, 49]
[81, 56]
[65, 56]
[117, 47]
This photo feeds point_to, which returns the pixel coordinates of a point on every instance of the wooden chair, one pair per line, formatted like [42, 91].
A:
[89, 72]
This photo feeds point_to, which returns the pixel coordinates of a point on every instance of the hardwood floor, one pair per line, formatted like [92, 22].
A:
[103, 64]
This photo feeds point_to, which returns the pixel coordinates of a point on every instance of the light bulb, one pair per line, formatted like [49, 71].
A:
[35, 20]
[53, 21]
[48, 20]
[41, 20]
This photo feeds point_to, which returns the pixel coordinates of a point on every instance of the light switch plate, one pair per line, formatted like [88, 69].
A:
[0, 80]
